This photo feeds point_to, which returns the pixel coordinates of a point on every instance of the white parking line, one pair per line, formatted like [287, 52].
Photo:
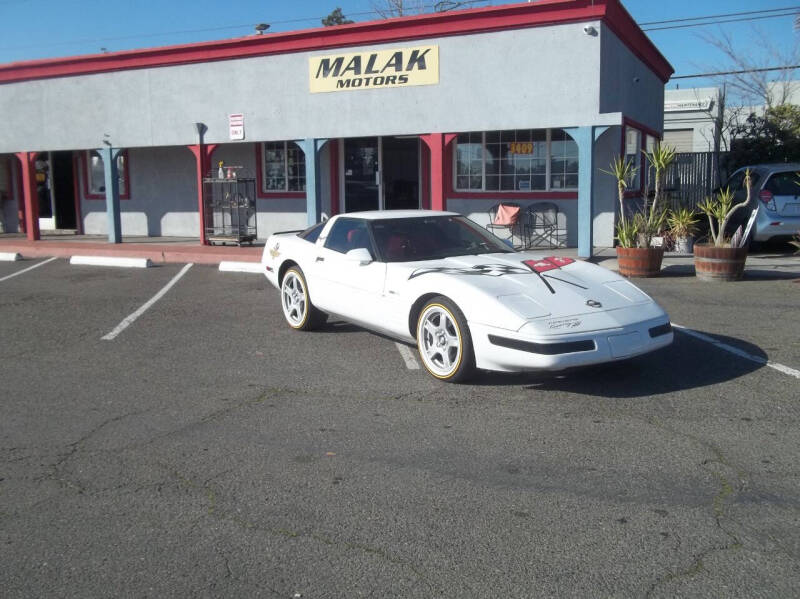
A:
[130, 319]
[408, 356]
[741, 353]
[19, 272]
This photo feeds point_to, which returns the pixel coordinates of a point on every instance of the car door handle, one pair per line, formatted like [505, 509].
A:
[320, 259]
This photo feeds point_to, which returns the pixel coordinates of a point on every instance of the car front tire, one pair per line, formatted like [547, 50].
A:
[444, 341]
[298, 310]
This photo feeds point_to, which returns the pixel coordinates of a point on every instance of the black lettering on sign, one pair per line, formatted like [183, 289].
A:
[325, 67]
[402, 79]
[395, 62]
[417, 60]
[354, 65]
[371, 70]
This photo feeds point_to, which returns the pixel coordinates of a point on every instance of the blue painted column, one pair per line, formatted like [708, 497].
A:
[109, 157]
[311, 148]
[585, 138]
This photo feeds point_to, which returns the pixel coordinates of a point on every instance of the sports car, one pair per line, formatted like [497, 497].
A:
[466, 298]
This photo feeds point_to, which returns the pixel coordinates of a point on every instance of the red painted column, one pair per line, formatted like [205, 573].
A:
[437, 144]
[31, 201]
[202, 156]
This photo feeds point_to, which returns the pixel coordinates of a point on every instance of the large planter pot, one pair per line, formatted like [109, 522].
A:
[713, 263]
[639, 262]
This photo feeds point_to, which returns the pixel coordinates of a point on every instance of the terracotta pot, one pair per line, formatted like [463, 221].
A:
[639, 262]
[713, 263]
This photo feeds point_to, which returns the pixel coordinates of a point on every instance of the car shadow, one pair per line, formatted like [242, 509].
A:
[689, 363]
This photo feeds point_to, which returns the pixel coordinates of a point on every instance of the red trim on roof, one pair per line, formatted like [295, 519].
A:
[463, 22]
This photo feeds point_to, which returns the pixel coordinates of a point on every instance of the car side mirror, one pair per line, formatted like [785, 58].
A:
[360, 255]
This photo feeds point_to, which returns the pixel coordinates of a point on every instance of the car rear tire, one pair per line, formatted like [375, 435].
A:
[298, 310]
[444, 341]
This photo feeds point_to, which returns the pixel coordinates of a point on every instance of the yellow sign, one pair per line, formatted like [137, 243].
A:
[400, 67]
[520, 147]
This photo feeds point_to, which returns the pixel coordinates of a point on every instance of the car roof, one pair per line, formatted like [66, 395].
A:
[386, 214]
[773, 167]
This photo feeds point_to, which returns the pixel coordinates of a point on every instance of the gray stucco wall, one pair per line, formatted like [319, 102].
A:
[527, 78]
[627, 85]
[163, 198]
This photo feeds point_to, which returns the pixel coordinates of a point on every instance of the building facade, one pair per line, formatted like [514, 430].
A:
[456, 111]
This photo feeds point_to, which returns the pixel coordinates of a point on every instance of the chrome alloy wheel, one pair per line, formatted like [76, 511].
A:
[439, 339]
[294, 299]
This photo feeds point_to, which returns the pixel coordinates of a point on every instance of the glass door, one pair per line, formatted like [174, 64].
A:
[361, 174]
[400, 168]
[44, 192]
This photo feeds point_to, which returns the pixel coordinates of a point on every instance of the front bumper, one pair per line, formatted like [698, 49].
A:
[509, 351]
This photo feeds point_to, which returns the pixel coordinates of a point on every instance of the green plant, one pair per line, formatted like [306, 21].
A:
[627, 232]
[719, 210]
[682, 222]
[660, 159]
[623, 171]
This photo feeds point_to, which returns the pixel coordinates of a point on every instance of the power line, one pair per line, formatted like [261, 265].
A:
[720, 22]
[730, 14]
[740, 72]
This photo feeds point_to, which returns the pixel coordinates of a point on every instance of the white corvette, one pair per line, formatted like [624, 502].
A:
[463, 296]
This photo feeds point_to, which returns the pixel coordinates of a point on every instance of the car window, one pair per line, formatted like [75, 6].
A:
[430, 238]
[349, 234]
[783, 184]
[736, 181]
[312, 233]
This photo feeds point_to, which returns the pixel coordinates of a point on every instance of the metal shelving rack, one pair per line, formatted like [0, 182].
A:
[230, 210]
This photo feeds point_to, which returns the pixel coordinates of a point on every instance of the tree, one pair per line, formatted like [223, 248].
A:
[752, 84]
[388, 9]
[336, 18]
[771, 137]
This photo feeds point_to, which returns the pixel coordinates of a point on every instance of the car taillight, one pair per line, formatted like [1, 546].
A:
[765, 196]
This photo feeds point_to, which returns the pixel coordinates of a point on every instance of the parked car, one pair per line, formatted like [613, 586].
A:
[776, 195]
[461, 294]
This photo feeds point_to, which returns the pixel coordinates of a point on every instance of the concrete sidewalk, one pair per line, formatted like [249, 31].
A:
[185, 250]
[157, 249]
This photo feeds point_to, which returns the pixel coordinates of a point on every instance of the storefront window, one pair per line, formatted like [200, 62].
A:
[96, 174]
[516, 160]
[469, 161]
[284, 167]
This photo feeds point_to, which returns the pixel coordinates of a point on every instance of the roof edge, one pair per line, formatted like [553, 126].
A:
[462, 22]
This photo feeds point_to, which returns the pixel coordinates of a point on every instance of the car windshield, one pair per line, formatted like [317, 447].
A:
[431, 238]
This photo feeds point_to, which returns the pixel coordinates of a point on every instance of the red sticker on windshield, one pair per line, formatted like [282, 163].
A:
[549, 263]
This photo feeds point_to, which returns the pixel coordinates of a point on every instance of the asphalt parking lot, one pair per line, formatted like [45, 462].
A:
[206, 450]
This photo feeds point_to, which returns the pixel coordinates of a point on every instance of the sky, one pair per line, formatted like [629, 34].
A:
[33, 29]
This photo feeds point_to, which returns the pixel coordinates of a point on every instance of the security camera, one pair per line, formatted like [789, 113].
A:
[636, 80]
[589, 30]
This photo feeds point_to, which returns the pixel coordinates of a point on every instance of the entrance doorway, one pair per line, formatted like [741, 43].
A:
[55, 191]
[381, 173]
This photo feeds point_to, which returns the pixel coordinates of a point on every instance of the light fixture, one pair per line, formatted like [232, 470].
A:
[261, 28]
[589, 30]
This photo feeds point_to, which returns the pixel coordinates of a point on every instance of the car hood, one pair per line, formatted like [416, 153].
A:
[531, 285]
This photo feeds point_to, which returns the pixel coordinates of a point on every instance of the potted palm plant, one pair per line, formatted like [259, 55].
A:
[723, 259]
[636, 255]
[682, 225]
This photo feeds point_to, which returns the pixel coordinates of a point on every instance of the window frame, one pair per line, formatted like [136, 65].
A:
[89, 194]
[261, 191]
[549, 191]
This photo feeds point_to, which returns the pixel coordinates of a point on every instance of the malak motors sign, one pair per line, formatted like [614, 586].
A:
[401, 67]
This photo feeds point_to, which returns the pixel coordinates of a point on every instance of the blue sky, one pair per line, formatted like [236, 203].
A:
[31, 29]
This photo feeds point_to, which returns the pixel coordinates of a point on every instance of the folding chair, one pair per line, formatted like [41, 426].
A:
[504, 217]
[542, 226]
